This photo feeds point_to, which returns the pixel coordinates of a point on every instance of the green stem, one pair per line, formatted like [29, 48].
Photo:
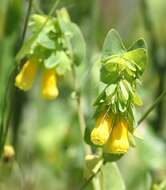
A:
[80, 113]
[26, 22]
[156, 102]
[86, 182]
[3, 124]
[49, 14]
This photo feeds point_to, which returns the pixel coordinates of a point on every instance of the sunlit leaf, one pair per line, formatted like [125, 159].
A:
[44, 40]
[136, 99]
[74, 36]
[140, 43]
[112, 44]
[110, 89]
[139, 56]
[124, 91]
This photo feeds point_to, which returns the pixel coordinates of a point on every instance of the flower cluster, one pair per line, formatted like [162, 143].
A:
[25, 78]
[121, 69]
[112, 133]
[55, 44]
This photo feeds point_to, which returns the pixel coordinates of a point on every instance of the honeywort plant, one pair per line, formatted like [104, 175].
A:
[53, 51]
[121, 71]
[56, 49]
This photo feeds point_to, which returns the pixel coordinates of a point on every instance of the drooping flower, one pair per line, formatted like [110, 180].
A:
[101, 132]
[49, 84]
[118, 142]
[25, 77]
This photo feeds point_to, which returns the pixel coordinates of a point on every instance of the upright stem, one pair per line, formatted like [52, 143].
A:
[80, 113]
[19, 97]
[26, 22]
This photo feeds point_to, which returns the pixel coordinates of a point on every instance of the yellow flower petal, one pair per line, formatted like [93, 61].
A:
[101, 132]
[49, 84]
[25, 77]
[118, 141]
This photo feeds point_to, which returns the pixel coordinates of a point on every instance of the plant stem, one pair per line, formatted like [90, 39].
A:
[156, 102]
[86, 182]
[80, 113]
[26, 22]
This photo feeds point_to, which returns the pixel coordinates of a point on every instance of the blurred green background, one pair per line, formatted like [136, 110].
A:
[46, 135]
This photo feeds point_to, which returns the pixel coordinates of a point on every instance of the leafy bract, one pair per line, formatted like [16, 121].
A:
[55, 41]
[113, 45]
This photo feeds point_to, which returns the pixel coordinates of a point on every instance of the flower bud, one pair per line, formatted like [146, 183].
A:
[118, 142]
[101, 132]
[25, 77]
[8, 153]
[49, 84]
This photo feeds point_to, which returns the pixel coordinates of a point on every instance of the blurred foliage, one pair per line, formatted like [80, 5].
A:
[49, 149]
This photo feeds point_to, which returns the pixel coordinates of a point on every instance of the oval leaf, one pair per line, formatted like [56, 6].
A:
[112, 44]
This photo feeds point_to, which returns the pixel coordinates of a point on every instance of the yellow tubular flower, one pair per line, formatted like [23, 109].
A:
[25, 77]
[49, 84]
[118, 142]
[101, 132]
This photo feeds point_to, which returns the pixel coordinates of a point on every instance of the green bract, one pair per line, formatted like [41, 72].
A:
[55, 41]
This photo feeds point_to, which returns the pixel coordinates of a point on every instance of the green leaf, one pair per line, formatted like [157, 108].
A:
[130, 118]
[108, 77]
[136, 99]
[140, 43]
[130, 65]
[128, 86]
[122, 106]
[59, 60]
[112, 44]
[44, 40]
[111, 177]
[63, 14]
[110, 89]
[108, 73]
[73, 35]
[100, 97]
[139, 56]
[62, 68]
[124, 91]
[92, 164]
[26, 49]
[37, 21]
[131, 139]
